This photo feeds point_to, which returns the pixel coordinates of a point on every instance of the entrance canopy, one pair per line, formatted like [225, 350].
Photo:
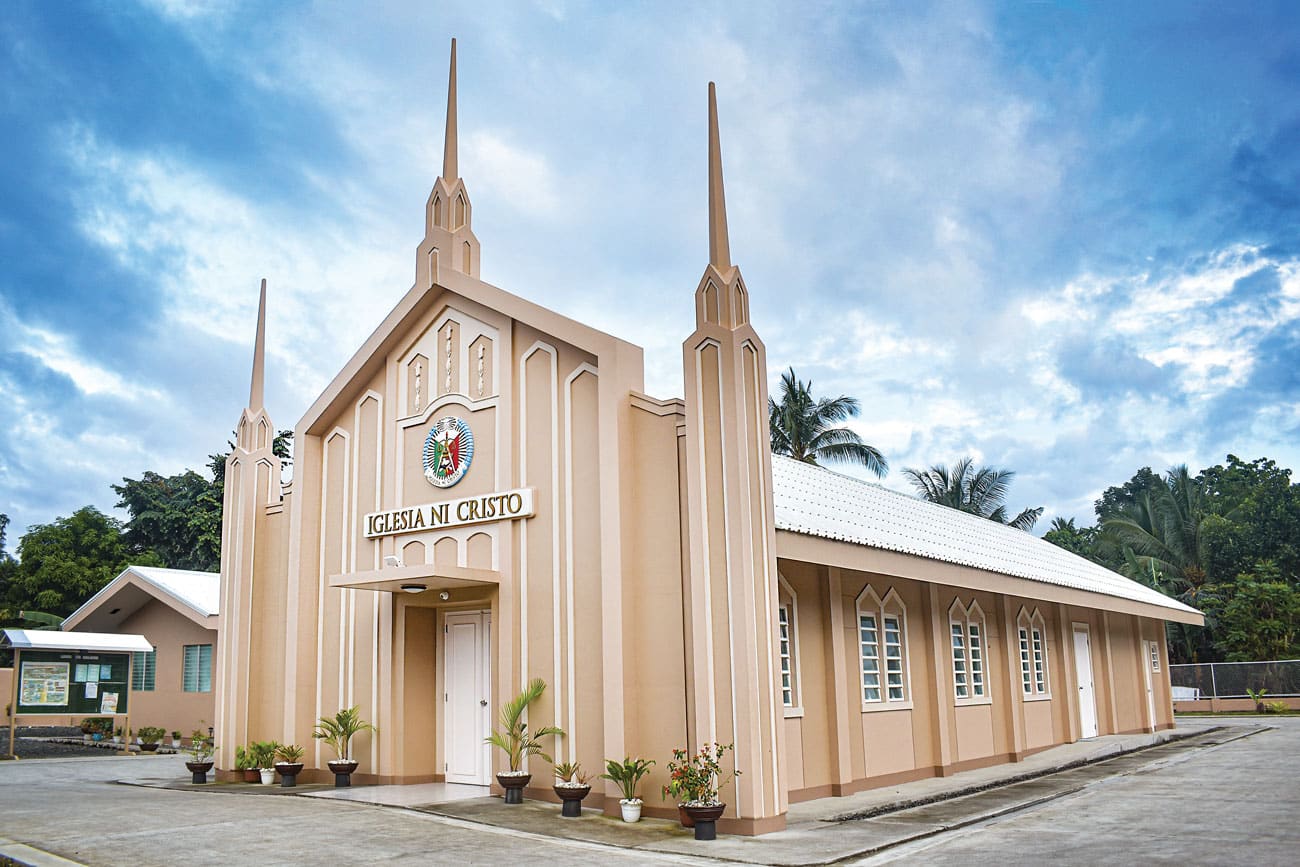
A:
[40, 639]
[415, 579]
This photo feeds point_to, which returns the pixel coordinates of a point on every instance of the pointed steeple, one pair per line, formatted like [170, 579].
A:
[450, 169]
[449, 243]
[719, 248]
[255, 399]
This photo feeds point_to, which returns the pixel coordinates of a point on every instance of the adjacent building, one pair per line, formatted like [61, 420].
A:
[178, 612]
[484, 494]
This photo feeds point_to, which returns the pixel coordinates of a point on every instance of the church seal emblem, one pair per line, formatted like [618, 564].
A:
[448, 451]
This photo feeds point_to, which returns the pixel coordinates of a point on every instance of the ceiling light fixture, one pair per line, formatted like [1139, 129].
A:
[413, 588]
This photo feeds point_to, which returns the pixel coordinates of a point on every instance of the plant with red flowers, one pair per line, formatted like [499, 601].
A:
[695, 780]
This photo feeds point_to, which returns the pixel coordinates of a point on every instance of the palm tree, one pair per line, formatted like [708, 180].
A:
[979, 491]
[1162, 542]
[802, 427]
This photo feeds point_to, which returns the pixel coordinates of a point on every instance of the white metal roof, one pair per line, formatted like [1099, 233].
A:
[41, 639]
[817, 502]
[199, 590]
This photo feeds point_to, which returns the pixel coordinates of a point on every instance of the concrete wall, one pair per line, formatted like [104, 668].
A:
[838, 743]
[168, 705]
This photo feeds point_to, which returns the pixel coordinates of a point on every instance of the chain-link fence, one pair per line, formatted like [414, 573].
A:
[1281, 677]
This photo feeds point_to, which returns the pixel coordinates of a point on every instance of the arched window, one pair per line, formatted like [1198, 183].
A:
[787, 620]
[969, 653]
[1031, 639]
[882, 651]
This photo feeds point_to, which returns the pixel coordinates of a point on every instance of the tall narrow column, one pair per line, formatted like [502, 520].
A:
[733, 585]
[252, 480]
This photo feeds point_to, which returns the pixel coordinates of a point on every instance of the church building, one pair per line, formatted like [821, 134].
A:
[485, 494]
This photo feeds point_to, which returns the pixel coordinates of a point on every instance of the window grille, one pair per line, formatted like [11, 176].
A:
[144, 665]
[787, 684]
[870, 640]
[196, 675]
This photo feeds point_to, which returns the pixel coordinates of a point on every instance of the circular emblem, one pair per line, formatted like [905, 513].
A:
[448, 450]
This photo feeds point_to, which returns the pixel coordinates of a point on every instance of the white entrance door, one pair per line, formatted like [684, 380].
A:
[1083, 669]
[467, 672]
[1150, 664]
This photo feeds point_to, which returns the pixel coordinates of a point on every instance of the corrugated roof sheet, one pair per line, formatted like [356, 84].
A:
[48, 639]
[199, 590]
[818, 502]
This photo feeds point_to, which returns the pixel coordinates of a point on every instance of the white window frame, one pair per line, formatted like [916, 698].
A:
[788, 602]
[961, 619]
[891, 607]
[1154, 655]
[1036, 680]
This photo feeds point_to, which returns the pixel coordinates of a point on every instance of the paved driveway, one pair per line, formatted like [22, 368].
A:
[1230, 804]
[72, 809]
[1238, 803]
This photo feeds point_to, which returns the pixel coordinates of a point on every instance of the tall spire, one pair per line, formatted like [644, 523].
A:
[719, 248]
[450, 169]
[255, 400]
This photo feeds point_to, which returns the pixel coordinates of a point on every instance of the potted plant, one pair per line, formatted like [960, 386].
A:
[694, 781]
[117, 735]
[262, 756]
[626, 774]
[176, 740]
[337, 732]
[289, 764]
[518, 743]
[244, 764]
[1257, 696]
[149, 738]
[571, 785]
[201, 749]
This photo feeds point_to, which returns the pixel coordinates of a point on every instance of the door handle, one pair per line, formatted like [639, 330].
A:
[482, 702]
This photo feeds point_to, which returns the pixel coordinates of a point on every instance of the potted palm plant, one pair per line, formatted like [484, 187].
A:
[201, 749]
[694, 781]
[626, 774]
[572, 786]
[518, 743]
[289, 765]
[150, 736]
[262, 756]
[337, 732]
[176, 740]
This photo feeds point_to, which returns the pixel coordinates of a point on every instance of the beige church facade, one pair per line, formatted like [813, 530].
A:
[485, 494]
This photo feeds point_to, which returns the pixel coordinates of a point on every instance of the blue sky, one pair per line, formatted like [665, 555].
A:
[1063, 238]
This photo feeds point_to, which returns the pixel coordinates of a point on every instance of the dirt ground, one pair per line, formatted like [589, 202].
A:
[26, 748]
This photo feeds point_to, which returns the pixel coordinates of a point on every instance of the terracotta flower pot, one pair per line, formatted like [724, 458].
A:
[572, 797]
[514, 786]
[251, 775]
[685, 817]
[705, 819]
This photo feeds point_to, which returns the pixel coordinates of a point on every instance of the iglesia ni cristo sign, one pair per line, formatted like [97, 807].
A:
[504, 506]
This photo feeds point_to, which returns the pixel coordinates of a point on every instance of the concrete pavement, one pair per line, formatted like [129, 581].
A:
[1217, 797]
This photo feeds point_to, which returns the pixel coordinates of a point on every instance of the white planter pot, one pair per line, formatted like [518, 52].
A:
[268, 775]
[631, 810]
[116, 739]
[176, 744]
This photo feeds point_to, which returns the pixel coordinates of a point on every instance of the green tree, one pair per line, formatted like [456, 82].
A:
[1077, 540]
[64, 563]
[980, 491]
[804, 427]
[1261, 618]
[1116, 498]
[1263, 507]
[176, 517]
